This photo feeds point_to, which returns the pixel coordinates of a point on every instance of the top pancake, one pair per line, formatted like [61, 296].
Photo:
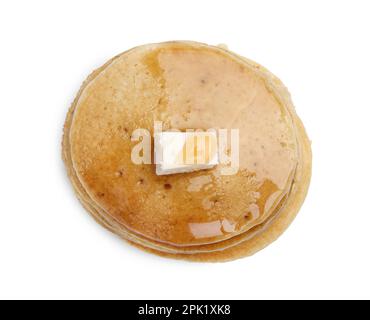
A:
[187, 86]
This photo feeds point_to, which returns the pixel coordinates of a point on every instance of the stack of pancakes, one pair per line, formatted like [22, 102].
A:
[202, 215]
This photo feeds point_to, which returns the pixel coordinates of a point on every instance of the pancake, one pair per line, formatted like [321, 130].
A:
[203, 215]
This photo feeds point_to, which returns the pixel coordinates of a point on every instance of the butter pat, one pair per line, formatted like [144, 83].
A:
[178, 152]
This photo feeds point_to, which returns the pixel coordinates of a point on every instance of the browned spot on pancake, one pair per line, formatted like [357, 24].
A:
[119, 173]
[167, 186]
[248, 216]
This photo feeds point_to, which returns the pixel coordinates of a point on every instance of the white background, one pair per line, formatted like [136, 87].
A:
[51, 248]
